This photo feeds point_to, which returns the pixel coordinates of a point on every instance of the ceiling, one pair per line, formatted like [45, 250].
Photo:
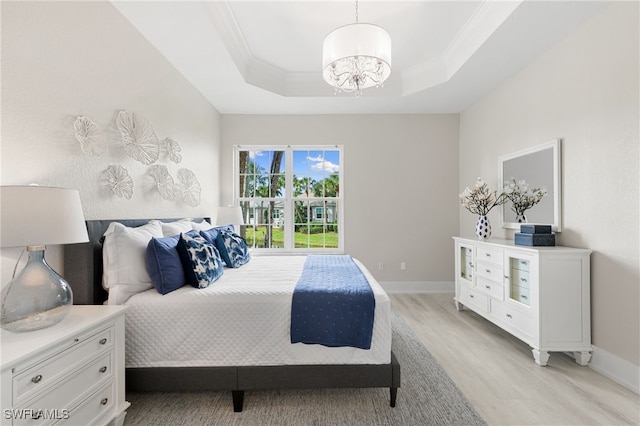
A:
[265, 57]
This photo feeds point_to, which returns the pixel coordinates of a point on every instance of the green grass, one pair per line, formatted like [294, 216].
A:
[328, 240]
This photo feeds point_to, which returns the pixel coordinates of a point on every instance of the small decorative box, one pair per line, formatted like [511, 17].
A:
[535, 229]
[535, 239]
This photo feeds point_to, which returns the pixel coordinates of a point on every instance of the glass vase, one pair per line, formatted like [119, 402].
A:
[37, 297]
[483, 228]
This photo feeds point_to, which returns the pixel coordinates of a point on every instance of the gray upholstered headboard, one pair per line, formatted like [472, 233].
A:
[83, 262]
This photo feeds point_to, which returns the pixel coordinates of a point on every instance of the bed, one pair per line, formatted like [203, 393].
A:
[245, 344]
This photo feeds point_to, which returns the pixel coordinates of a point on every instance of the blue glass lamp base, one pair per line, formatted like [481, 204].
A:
[37, 297]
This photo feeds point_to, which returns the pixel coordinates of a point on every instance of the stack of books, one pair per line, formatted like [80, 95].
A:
[535, 235]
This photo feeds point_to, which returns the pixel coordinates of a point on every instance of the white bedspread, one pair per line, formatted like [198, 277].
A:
[241, 319]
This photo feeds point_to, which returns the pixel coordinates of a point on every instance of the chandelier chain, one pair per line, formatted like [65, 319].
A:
[356, 11]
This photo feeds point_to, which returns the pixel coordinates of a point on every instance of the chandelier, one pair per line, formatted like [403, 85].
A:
[356, 56]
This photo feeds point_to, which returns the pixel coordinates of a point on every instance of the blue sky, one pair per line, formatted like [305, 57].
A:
[316, 164]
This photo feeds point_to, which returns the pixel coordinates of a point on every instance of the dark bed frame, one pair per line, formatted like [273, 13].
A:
[83, 271]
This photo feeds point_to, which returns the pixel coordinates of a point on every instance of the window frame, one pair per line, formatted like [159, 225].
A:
[288, 200]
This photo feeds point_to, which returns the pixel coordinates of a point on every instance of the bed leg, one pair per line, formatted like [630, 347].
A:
[394, 395]
[238, 399]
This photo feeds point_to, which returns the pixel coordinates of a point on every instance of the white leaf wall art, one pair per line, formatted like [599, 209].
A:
[163, 181]
[92, 140]
[174, 150]
[118, 180]
[139, 139]
[190, 187]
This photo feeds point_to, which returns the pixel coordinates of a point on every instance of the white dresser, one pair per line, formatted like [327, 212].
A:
[69, 374]
[541, 295]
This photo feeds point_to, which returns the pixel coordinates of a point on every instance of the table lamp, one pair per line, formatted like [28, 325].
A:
[230, 215]
[36, 216]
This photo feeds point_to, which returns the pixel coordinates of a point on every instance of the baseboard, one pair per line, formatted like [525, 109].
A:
[615, 368]
[408, 287]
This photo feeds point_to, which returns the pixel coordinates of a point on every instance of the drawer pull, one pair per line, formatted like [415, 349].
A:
[103, 341]
[487, 287]
[471, 296]
[76, 340]
[104, 401]
[523, 296]
[488, 254]
[524, 280]
[509, 316]
[36, 379]
[103, 369]
[488, 271]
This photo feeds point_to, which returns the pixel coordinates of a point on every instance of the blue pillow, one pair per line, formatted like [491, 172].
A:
[200, 260]
[164, 265]
[233, 248]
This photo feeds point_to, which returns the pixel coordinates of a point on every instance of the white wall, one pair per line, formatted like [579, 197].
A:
[400, 178]
[64, 59]
[584, 91]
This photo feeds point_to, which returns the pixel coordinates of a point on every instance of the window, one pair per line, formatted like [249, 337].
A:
[290, 196]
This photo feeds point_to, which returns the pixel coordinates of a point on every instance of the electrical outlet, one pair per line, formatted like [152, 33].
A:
[403, 266]
[381, 266]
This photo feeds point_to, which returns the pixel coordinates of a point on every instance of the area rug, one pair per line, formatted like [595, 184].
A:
[427, 396]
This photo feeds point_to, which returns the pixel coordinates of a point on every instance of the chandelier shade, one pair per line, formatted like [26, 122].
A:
[356, 56]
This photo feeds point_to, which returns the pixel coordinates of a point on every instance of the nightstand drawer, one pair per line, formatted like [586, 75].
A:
[92, 408]
[30, 382]
[61, 396]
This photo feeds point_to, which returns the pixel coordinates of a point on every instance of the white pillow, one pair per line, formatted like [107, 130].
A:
[174, 228]
[125, 272]
[201, 226]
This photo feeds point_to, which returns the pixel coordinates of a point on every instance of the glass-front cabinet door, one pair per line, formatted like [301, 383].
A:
[519, 269]
[466, 264]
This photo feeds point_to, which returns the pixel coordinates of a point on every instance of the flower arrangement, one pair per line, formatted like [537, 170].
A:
[480, 200]
[521, 196]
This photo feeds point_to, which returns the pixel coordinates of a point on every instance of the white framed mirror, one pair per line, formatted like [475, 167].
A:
[537, 166]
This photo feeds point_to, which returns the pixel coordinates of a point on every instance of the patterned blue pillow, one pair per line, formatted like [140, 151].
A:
[233, 248]
[200, 260]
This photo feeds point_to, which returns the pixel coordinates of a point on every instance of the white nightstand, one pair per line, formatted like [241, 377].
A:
[68, 374]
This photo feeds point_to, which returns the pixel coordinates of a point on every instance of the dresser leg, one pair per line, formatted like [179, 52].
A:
[583, 357]
[459, 306]
[541, 357]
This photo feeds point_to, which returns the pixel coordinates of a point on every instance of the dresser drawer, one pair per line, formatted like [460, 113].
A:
[521, 294]
[520, 278]
[92, 409]
[61, 396]
[30, 382]
[512, 318]
[520, 264]
[473, 298]
[489, 255]
[489, 271]
[491, 288]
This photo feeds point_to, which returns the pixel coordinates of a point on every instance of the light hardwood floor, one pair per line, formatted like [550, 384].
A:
[497, 373]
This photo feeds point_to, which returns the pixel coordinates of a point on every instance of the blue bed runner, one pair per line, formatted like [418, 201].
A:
[333, 304]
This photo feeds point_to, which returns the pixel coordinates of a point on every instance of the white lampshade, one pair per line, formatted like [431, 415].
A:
[40, 215]
[230, 215]
[356, 54]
